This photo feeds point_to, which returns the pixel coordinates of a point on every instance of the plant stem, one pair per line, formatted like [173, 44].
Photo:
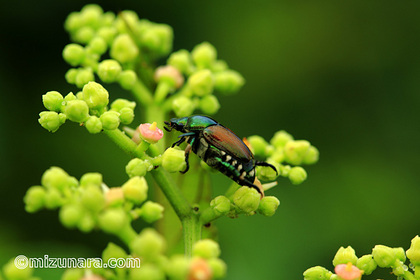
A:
[127, 234]
[171, 191]
[208, 215]
[191, 228]
[142, 93]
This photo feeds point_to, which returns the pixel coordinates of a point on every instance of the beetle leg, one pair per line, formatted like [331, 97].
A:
[183, 138]
[187, 153]
[263, 163]
[251, 185]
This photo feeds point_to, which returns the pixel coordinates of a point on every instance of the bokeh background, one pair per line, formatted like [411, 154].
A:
[344, 75]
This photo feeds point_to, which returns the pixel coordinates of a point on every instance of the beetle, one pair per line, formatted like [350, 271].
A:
[217, 146]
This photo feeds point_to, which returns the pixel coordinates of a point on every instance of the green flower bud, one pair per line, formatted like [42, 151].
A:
[209, 104]
[268, 205]
[52, 100]
[69, 97]
[71, 75]
[109, 70]
[34, 199]
[385, 256]
[121, 103]
[158, 39]
[74, 54]
[86, 223]
[127, 79]
[70, 215]
[113, 220]
[55, 177]
[135, 189]
[344, 256]
[148, 271]
[77, 111]
[126, 115]
[173, 160]
[204, 55]
[95, 95]
[83, 35]
[266, 173]
[182, 106]
[219, 66]
[84, 76]
[53, 199]
[92, 178]
[12, 272]
[113, 251]
[151, 211]
[218, 267]
[97, 45]
[92, 198]
[110, 120]
[280, 139]
[51, 121]
[91, 15]
[73, 22]
[107, 33]
[72, 274]
[297, 175]
[295, 151]
[138, 167]
[317, 273]
[220, 205]
[311, 156]
[124, 49]
[148, 244]
[258, 145]
[178, 267]
[206, 248]
[201, 82]
[93, 125]
[413, 254]
[247, 199]
[367, 264]
[182, 61]
[228, 81]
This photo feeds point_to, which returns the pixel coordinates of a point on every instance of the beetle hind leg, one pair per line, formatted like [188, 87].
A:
[187, 154]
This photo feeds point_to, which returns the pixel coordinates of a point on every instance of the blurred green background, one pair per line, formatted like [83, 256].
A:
[344, 75]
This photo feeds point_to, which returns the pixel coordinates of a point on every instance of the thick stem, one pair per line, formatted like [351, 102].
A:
[191, 228]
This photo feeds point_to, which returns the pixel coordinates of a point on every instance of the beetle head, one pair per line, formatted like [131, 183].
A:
[177, 124]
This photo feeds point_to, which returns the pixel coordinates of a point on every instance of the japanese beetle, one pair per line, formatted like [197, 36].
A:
[217, 146]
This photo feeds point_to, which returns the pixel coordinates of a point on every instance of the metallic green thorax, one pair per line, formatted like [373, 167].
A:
[218, 146]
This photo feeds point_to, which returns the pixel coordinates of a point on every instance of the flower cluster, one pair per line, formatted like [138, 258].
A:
[87, 107]
[349, 267]
[89, 204]
[286, 154]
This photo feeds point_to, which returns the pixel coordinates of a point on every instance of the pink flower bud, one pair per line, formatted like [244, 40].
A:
[199, 270]
[348, 271]
[149, 133]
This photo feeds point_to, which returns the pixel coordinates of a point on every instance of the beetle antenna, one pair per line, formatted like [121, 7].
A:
[263, 163]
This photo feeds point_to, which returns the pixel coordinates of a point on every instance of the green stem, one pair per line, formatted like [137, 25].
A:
[171, 191]
[142, 93]
[162, 91]
[122, 141]
[127, 234]
[209, 215]
[191, 228]
[142, 147]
